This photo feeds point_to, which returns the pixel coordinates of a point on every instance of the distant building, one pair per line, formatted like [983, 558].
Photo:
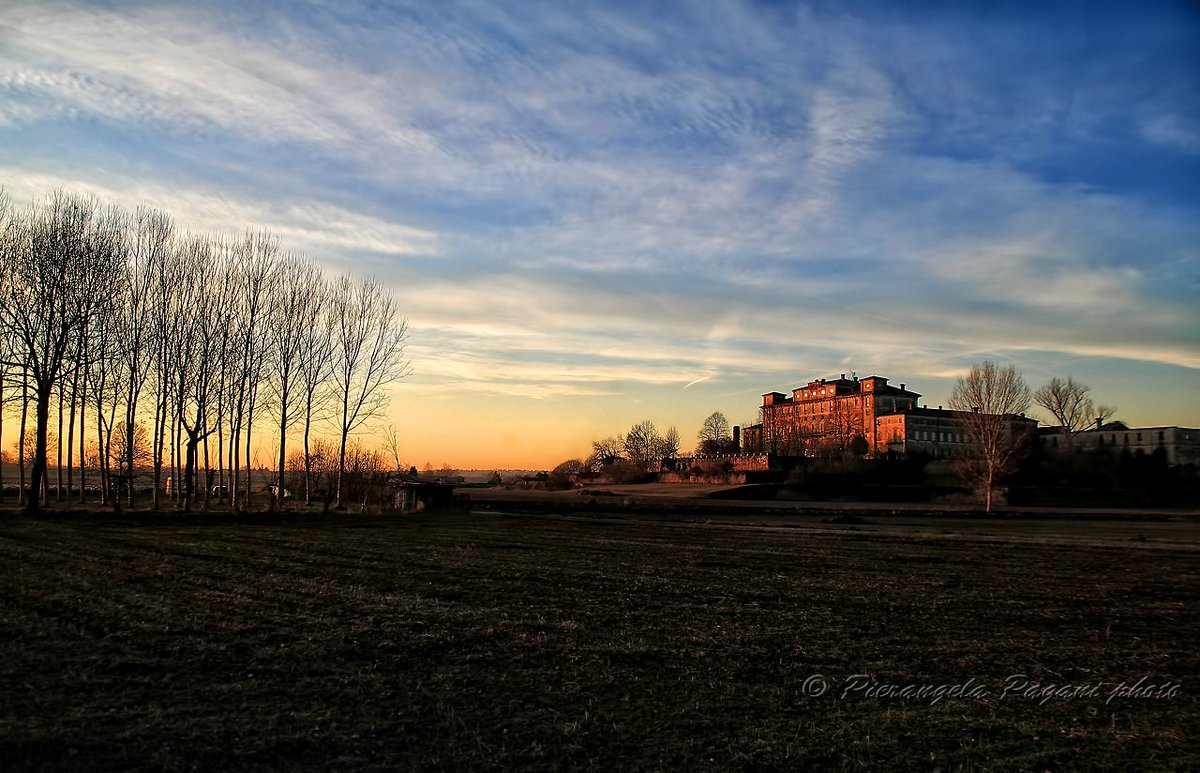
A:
[933, 431]
[867, 416]
[1179, 445]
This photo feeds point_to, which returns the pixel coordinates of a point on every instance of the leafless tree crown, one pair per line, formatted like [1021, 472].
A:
[990, 399]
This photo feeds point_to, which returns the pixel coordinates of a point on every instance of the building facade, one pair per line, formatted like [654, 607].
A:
[1179, 445]
[826, 415]
[868, 417]
[935, 431]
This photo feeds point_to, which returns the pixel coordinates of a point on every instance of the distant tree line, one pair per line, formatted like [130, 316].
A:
[640, 452]
[126, 342]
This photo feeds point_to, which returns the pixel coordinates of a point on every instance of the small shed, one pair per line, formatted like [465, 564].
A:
[419, 496]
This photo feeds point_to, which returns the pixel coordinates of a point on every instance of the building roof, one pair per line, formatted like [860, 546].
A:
[950, 413]
[847, 386]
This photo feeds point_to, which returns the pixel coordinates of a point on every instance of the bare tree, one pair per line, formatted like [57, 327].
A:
[1103, 413]
[255, 264]
[200, 352]
[228, 376]
[783, 434]
[391, 438]
[991, 401]
[604, 451]
[643, 444]
[1069, 403]
[670, 444]
[315, 370]
[144, 272]
[714, 436]
[842, 429]
[66, 260]
[260, 278]
[370, 337]
[78, 391]
[101, 389]
[128, 436]
[295, 299]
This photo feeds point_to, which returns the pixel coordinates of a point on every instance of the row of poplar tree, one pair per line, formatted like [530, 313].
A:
[125, 325]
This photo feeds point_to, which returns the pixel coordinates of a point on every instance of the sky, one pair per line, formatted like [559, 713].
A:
[595, 213]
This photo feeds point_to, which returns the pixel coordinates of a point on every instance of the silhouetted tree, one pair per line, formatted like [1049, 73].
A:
[643, 444]
[143, 316]
[669, 449]
[63, 257]
[316, 369]
[1103, 413]
[604, 452]
[1069, 404]
[369, 337]
[565, 474]
[714, 436]
[256, 267]
[202, 345]
[989, 398]
[294, 303]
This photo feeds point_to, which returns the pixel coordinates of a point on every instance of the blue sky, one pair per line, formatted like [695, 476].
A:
[597, 213]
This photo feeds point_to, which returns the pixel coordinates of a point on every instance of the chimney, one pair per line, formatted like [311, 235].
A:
[737, 439]
[843, 377]
[902, 387]
[1099, 422]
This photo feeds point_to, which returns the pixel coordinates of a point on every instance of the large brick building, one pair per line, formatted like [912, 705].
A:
[867, 416]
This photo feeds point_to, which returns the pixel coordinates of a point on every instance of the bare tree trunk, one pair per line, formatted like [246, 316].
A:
[106, 429]
[234, 461]
[307, 457]
[71, 426]
[342, 451]
[177, 461]
[82, 446]
[37, 476]
[58, 468]
[282, 457]
[249, 462]
[207, 470]
[221, 459]
[102, 456]
[21, 439]
[159, 444]
[189, 484]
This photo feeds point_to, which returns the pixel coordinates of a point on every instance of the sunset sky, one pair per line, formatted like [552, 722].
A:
[601, 212]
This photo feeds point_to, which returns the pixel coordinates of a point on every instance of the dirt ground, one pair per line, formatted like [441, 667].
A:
[596, 639]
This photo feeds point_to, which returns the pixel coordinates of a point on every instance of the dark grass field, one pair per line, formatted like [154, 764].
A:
[491, 641]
